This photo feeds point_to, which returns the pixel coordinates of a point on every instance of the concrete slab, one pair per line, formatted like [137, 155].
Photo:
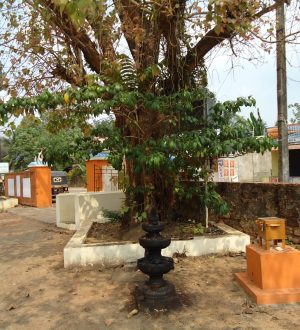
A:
[76, 253]
[8, 203]
[65, 211]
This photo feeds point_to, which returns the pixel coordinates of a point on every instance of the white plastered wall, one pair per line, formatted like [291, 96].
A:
[72, 209]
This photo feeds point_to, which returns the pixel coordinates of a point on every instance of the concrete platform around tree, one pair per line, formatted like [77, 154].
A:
[77, 253]
[74, 208]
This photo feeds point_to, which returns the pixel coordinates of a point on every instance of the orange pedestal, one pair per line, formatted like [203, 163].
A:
[272, 276]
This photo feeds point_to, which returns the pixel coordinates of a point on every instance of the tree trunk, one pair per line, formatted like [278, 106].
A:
[147, 188]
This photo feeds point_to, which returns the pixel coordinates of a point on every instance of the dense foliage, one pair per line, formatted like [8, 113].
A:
[4, 146]
[143, 61]
[180, 146]
[60, 149]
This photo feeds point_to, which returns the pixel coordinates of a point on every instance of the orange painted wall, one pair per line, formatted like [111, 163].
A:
[90, 173]
[40, 186]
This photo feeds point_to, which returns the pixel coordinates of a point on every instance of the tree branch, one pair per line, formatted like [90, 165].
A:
[70, 77]
[78, 38]
[212, 39]
[130, 15]
[171, 23]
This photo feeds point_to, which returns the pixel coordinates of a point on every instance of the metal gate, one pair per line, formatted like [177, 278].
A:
[105, 178]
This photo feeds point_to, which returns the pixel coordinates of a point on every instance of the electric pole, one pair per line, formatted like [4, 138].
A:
[283, 151]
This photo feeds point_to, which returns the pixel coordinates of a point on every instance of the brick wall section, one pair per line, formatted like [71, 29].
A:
[247, 201]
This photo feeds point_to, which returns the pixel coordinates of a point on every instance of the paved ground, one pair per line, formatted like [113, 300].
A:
[36, 292]
[47, 215]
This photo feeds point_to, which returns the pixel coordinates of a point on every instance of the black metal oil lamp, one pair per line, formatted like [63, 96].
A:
[156, 293]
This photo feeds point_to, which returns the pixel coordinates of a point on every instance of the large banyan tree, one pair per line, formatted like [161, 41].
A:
[143, 61]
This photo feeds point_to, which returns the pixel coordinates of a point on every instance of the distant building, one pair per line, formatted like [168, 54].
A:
[251, 167]
[294, 151]
[254, 167]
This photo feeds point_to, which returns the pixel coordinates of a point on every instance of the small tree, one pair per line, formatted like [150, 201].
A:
[296, 112]
[257, 124]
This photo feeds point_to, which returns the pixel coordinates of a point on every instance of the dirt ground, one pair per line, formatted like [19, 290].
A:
[36, 292]
[113, 231]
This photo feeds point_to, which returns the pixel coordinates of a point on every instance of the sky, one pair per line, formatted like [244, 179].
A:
[257, 80]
